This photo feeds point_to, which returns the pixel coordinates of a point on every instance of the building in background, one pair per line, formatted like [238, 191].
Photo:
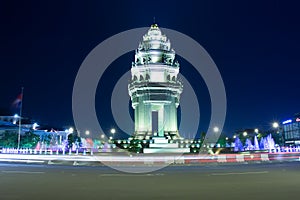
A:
[55, 135]
[291, 130]
[11, 123]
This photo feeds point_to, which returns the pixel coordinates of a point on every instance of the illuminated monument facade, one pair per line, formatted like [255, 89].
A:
[155, 90]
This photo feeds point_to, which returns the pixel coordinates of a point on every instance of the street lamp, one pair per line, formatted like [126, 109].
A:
[71, 130]
[256, 130]
[16, 116]
[34, 126]
[68, 132]
[275, 125]
[216, 129]
[278, 131]
[245, 133]
[112, 131]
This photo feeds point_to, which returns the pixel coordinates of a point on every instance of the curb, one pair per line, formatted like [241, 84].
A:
[100, 160]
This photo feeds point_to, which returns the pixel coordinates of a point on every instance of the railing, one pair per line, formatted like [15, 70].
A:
[86, 151]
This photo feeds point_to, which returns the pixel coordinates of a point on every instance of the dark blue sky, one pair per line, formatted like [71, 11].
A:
[255, 45]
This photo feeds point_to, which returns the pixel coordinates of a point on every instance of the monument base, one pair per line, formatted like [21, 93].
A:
[166, 150]
[162, 145]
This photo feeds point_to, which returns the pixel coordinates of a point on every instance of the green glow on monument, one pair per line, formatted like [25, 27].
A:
[154, 87]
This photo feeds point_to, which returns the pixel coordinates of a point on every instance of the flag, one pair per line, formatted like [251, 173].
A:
[17, 103]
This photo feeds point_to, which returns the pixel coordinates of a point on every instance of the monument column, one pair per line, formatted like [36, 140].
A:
[161, 124]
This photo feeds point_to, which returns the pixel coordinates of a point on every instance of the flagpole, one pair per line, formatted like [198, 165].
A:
[20, 119]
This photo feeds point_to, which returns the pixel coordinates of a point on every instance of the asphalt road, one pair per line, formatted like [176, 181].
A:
[244, 181]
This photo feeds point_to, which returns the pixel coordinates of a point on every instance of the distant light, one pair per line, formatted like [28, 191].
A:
[16, 116]
[102, 136]
[245, 133]
[256, 130]
[112, 131]
[275, 125]
[71, 130]
[298, 120]
[87, 132]
[226, 138]
[287, 122]
[216, 129]
[234, 136]
[34, 126]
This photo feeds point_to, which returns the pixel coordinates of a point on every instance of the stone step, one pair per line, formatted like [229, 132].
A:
[163, 145]
[161, 140]
[166, 150]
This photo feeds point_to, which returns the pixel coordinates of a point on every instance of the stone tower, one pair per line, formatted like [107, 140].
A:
[154, 88]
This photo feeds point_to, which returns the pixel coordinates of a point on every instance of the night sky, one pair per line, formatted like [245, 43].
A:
[255, 45]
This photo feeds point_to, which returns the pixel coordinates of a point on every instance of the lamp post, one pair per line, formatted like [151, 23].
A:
[276, 126]
[68, 132]
[71, 130]
[216, 129]
[113, 131]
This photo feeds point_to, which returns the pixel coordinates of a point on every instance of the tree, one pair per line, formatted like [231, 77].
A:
[9, 139]
[29, 140]
[74, 139]
[222, 141]
[202, 137]
[46, 139]
[135, 146]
